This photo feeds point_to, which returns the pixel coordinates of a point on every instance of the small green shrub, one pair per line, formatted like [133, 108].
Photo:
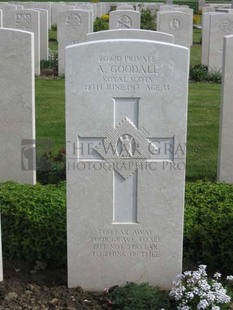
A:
[54, 27]
[199, 73]
[100, 24]
[148, 20]
[208, 233]
[33, 222]
[140, 297]
[51, 169]
[196, 19]
[215, 77]
[50, 66]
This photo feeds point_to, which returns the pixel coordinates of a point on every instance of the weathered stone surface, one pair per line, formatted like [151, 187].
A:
[179, 24]
[73, 26]
[27, 20]
[221, 25]
[17, 117]
[124, 19]
[225, 160]
[130, 34]
[44, 36]
[125, 191]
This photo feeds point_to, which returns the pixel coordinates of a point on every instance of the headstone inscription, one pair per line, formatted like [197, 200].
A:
[225, 157]
[17, 117]
[126, 112]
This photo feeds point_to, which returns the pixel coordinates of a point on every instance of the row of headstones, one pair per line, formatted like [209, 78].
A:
[98, 9]
[129, 92]
[73, 25]
[215, 26]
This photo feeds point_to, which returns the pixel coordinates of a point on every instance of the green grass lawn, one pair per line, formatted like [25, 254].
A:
[50, 113]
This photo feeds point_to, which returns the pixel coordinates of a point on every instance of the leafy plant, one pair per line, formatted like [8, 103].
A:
[54, 27]
[138, 296]
[196, 19]
[50, 66]
[100, 24]
[148, 20]
[208, 233]
[33, 222]
[51, 169]
[199, 73]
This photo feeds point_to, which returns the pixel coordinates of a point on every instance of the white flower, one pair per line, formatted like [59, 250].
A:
[203, 304]
[229, 278]
[189, 295]
[215, 308]
[217, 275]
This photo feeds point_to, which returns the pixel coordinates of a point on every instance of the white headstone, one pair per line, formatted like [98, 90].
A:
[225, 159]
[125, 7]
[17, 105]
[56, 7]
[166, 7]
[44, 6]
[201, 4]
[207, 9]
[130, 34]
[73, 26]
[5, 9]
[28, 20]
[44, 35]
[124, 19]
[125, 194]
[1, 19]
[179, 24]
[221, 25]
[184, 9]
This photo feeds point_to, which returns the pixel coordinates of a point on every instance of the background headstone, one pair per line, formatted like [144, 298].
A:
[130, 34]
[17, 105]
[124, 19]
[73, 25]
[221, 25]
[179, 24]
[46, 7]
[1, 19]
[44, 35]
[5, 9]
[225, 159]
[27, 20]
[201, 4]
[126, 223]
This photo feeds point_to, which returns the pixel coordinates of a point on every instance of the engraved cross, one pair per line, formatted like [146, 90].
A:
[126, 148]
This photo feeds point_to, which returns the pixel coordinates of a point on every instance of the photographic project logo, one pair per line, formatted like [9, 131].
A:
[28, 153]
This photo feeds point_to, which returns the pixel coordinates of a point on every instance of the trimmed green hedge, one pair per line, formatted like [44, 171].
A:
[34, 223]
[208, 229]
